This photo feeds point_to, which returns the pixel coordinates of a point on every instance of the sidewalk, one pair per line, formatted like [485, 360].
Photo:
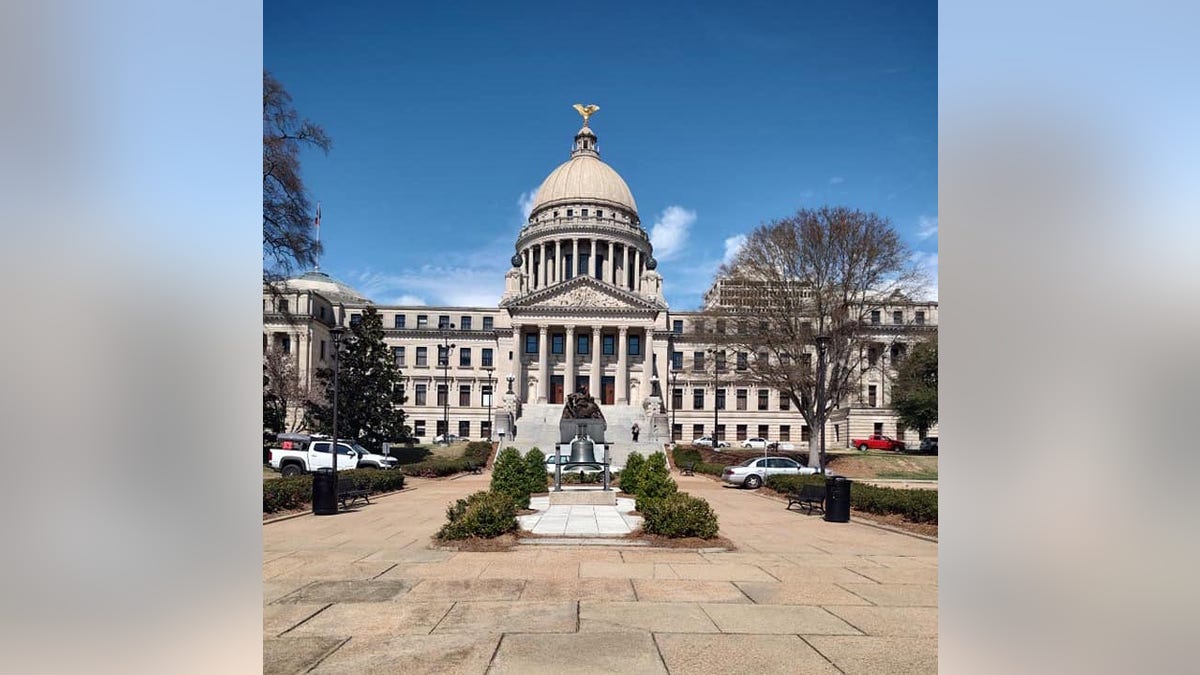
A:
[363, 592]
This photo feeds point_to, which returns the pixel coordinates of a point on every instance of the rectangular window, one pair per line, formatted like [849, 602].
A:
[486, 359]
[400, 320]
[763, 430]
[443, 394]
[698, 326]
[871, 395]
[583, 344]
[440, 426]
[355, 319]
[762, 399]
[485, 396]
[741, 399]
[720, 399]
[741, 432]
[697, 430]
[570, 212]
[418, 428]
[422, 395]
[785, 432]
[443, 356]
[920, 318]
[485, 429]
[805, 435]
[720, 432]
[464, 429]
[322, 350]
[465, 323]
[609, 345]
[697, 360]
[556, 342]
[879, 428]
[677, 326]
[489, 323]
[422, 357]
[872, 355]
[464, 395]
[531, 343]
[697, 399]
[583, 212]
[875, 317]
[897, 317]
[899, 431]
[599, 213]
[464, 357]
[677, 399]
[677, 432]
[584, 259]
[635, 345]
[398, 355]
[806, 362]
[677, 360]
[720, 359]
[785, 402]
[283, 305]
[443, 321]
[898, 352]
[422, 321]
[720, 326]
[762, 358]
[743, 361]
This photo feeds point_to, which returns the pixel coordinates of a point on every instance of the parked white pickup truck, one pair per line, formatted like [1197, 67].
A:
[300, 453]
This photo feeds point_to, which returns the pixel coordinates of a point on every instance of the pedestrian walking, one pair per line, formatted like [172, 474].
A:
[636, 430]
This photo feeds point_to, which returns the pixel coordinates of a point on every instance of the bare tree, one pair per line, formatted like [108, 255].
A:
[283, 392]
[805, 283]
[288, 224]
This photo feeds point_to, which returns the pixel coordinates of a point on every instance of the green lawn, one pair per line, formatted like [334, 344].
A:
[878, 464]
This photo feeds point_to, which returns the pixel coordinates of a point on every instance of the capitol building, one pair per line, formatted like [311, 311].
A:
[582, 309]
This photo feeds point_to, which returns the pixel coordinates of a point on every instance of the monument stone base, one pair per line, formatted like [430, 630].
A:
[583, 498]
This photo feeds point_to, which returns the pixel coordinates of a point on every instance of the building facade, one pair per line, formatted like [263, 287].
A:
[582, 310]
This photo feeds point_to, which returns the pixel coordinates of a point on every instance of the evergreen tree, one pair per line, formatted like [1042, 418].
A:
[915, 392]
[631, 475]
[369, 391]
[535, 471]
[510, 477]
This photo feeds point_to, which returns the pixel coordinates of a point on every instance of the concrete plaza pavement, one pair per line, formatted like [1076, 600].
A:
[363, 591]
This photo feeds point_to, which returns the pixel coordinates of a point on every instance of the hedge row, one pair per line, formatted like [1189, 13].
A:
[678, 515]
[436, 468]
[687, 455]
[479, 452]
[295, 491]
[483, 514]
[917, 506]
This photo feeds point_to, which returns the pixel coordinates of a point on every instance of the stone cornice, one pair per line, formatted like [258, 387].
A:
[435, 334]
[576, 228]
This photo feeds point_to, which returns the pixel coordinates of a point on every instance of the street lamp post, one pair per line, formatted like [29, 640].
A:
[490, 394]
[822, 346]
[716, 406]
[674, 373]
[446, 347]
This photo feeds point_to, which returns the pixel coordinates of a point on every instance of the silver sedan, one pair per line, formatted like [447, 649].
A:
[752, 472]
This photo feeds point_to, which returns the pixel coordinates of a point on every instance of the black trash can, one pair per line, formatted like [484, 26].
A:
[837, 499]
[324, 495]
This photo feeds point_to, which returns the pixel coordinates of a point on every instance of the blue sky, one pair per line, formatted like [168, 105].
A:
[446, 116]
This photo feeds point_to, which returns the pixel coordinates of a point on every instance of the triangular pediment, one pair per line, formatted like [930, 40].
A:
[584, 293]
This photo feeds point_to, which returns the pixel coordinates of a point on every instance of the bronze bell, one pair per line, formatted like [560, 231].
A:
[583, 450]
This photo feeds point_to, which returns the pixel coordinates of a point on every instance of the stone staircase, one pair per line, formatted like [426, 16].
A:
[538, 427]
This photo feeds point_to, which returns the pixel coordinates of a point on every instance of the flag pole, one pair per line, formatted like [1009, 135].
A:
[317, 224]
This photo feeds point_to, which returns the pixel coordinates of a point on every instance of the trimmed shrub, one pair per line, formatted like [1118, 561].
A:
[589, 478]
[484, 514]
[679, 515]
[435, 468]
[686, 454]
[280, 494]
[478, 452]
[536, 477]
[655, 481]
[509, 476]
[631, 475]
[918, 506]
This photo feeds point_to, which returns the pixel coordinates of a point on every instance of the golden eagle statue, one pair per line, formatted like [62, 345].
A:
[587, 111]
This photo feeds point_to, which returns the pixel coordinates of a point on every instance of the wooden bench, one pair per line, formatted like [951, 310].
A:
[810, 496]
[472, 467]
[688, 470]
[348, 488]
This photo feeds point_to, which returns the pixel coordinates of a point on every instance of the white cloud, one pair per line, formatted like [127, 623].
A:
[836, 179]
[927, 262]
[408, 299]
[669, 234]
[732, 246]
[525, 203]
[927, 226]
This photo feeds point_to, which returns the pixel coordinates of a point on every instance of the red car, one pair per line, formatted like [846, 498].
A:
[878, 442]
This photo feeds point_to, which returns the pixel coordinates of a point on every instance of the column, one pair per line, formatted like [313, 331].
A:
[575, 260]
[569, 355]
[594, 381]
[648, 361]
[545, 264]
[622, 367]
[520, 388]
[637, 270]
[543, 364]
[611, 272]
[525, 269]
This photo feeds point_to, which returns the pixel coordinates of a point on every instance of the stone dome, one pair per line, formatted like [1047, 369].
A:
[334, 290]
[584, 178]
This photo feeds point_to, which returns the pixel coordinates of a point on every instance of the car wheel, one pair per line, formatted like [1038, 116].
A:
[862, 447]
[291, 470]
[753, 482]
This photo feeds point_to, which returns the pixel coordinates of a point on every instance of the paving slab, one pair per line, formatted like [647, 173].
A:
[444, 654]
[656, 617]
[606, 570]
[686, 590]
[663, 557]
[721, 572]
[374, 619]
[899, 575]
[799, 593]
[582, 653]
[758, 654]
[508, 617]
[895, 595]
[447, 569]
[903, 561]
[616, 590]
[778, 619]
[503, 569]
[871, 655]
[466, 589]
[817, 574]
[547, 558]
[408, 555]
[288, 656]
[377, 590]
[890, 621]
[279, 618]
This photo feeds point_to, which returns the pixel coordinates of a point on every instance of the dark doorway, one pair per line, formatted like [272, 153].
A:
[556, 388]
[608, 389]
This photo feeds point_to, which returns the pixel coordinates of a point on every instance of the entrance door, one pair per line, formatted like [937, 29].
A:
[608, 389]
[556, 388]
[581, 384]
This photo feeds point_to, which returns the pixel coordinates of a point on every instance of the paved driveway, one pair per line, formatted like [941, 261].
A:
[362, 592]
